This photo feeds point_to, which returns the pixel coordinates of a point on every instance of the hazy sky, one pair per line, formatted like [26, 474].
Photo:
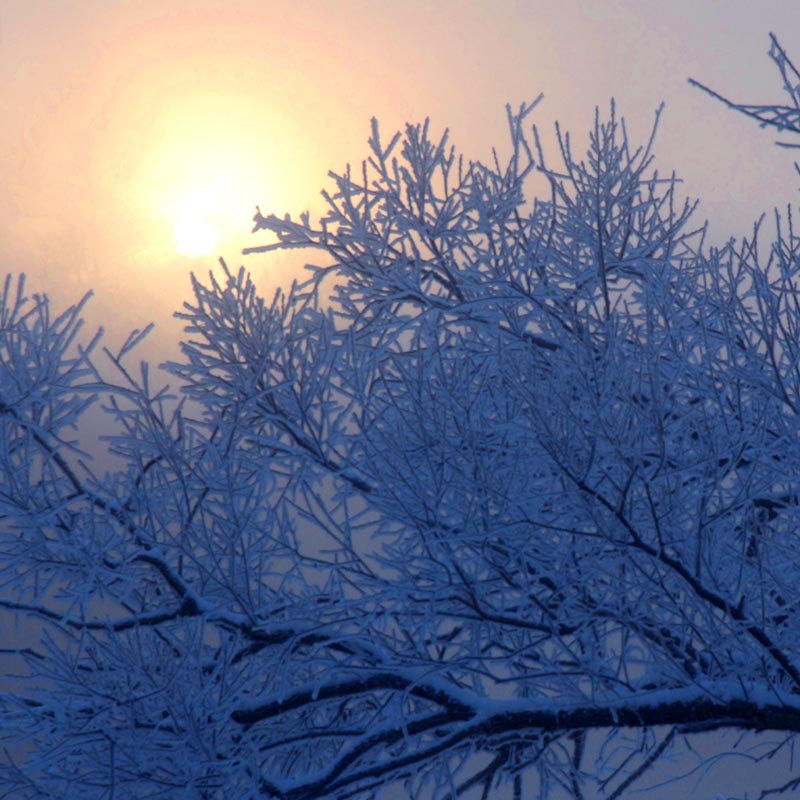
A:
[124, 121]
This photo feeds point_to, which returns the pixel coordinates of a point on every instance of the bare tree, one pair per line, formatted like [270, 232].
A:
[502, 499]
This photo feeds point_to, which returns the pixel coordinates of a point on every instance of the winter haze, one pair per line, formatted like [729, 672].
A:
[117, 114]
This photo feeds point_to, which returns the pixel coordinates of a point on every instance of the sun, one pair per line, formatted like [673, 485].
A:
[197, 212]
[208, 160]
[206, 184]
[195, 236]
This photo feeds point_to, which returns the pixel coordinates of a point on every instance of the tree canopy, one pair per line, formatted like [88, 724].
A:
[503, 498]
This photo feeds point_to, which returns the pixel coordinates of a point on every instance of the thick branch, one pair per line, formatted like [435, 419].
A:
[688, 710]
[341, 689]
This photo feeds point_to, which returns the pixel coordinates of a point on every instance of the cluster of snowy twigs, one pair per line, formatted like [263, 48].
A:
[503, 499]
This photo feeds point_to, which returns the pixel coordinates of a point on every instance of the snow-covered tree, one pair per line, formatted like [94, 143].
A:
[502, 500]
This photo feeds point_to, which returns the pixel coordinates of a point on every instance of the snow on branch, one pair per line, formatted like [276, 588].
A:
[502, 499]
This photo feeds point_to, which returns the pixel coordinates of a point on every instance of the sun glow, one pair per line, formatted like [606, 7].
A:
[195, 236]
[208, 209]
[208, 159]
[198, 215]
[206, 176]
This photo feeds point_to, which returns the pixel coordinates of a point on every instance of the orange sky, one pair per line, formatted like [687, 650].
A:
[122, 118]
